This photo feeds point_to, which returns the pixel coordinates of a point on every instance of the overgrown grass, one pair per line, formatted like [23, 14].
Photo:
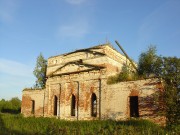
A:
[18, 125]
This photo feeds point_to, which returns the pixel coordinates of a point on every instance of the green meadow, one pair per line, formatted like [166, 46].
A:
[16, 124]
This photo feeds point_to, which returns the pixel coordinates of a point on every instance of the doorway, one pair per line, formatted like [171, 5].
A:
[134, 110]
[73, 105]
[55, 105]
[33, 107]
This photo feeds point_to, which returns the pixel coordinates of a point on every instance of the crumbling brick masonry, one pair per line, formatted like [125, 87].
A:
[77, 89]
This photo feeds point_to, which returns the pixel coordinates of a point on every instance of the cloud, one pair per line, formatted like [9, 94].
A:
[75, 2]
[7, 10]
[12, 85]
[15, 68]
[14, 77]
[74, 30]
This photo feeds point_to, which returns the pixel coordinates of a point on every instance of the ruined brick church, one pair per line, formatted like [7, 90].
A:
[77, 89]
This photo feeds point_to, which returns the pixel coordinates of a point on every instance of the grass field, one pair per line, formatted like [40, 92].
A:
[17, 125]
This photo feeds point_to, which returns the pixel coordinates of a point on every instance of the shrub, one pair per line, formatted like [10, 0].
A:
[126, 74]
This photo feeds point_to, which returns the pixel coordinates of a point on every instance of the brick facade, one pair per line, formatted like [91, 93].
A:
[77, 89]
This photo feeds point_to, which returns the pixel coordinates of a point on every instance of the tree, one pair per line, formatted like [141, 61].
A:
[148, 62]
[2, 102]
[40, 71]
[16, 103]
[170, 72]
[167, 68]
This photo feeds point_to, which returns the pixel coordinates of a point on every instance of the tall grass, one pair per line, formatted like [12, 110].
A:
[18, 125]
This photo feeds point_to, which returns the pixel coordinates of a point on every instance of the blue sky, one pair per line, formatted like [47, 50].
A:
[28, 27]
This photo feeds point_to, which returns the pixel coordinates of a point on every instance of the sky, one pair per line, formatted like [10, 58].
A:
[53, 27]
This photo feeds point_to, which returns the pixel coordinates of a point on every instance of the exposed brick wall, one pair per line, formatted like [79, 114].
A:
[82, 86]
[113, 101]
[117, 104]
[27, 97]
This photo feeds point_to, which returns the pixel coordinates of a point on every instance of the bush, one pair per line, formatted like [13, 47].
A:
[125, 75]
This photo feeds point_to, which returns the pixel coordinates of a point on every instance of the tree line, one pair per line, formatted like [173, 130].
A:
[10, 106]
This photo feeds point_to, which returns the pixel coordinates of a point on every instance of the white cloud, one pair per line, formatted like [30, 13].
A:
[75, 2]
[7, 10]
[14, 77]
[15, 68]
[74, 30]
[12, 86]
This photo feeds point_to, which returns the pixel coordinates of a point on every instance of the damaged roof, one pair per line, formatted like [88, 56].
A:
[87, 50]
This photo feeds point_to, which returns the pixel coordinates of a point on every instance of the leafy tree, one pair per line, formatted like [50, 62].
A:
[167, 68]
[40, 71]
[16, 103]
[170, 72]
[2, 102]
[148, 61]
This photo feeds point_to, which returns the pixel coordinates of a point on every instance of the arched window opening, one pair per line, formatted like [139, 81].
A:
[55, 105]
[73, 105]
[33, 107]
[93, 105]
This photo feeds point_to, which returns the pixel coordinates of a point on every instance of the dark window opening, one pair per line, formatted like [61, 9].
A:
[55, 105]
[33, 107]
[134, 111]
[73, 105]
[80, 61]
[93, 105]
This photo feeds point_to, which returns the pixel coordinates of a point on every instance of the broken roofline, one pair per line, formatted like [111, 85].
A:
[88, 49]
[94, 67]
[75, 72]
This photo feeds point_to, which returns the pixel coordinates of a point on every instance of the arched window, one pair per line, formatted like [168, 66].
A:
[73, 105]
[55, 105]
[93, 105]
